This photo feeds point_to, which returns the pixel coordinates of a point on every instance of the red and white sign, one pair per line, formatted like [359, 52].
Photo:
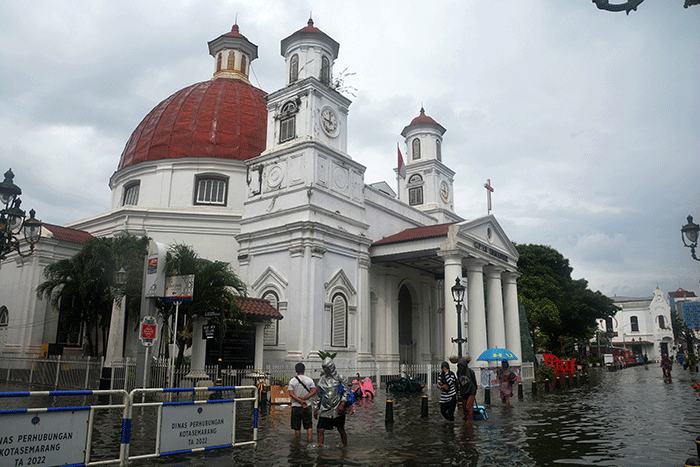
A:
[149, 330]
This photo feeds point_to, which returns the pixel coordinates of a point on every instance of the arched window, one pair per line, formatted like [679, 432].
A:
[288, 121]
[218, 62]
[4, 316]
[271, 333]
[416, 149]
[244, 65]
[438, 150]
[231, 65]
[294, 68]
[415, 190]
[339, 321]
[662, 322]
[325, 70]
[634, 324]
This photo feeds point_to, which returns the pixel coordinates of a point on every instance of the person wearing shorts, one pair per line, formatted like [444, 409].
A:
[301, 388]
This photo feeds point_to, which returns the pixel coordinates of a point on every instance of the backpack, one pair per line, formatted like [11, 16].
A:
[351, 398]
[465, 385]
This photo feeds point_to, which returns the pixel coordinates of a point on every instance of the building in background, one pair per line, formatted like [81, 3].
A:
[643, 325]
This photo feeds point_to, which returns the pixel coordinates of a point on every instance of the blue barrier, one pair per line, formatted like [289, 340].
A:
[63, 435]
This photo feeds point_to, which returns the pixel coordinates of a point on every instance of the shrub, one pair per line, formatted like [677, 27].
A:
[545, 372]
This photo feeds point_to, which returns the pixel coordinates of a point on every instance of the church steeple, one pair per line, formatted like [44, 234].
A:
[309, 52]
[233, 53]
[428, 182]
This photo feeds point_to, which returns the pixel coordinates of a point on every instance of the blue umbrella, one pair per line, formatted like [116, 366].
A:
[496, 354]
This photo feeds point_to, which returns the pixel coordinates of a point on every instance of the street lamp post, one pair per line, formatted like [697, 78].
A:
[13, 220]
[690, 232]
[458, 297]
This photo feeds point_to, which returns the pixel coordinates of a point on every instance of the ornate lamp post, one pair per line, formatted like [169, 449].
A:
[13, 220]
[458, 297]
[690, 231]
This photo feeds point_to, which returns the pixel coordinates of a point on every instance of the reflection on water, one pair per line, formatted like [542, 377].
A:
[626, 418]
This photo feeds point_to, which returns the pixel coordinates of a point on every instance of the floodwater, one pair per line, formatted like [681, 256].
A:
[624, 418]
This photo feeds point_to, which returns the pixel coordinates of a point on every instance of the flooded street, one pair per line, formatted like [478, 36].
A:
[625, 418]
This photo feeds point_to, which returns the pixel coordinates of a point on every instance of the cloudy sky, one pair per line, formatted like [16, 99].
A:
[586, 122]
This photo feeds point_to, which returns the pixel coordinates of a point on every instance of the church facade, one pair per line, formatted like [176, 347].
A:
[266, 183]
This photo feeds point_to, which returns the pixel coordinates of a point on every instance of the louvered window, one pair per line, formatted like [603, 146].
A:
[211, 190]
[415, 190]
[634, 324]
[4, 316]
[271, 333]
[231, 61]
[339, 322]
[416, 149]
[131, 195]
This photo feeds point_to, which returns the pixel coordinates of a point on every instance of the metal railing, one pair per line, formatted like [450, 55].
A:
[58, 373]
[53, 372]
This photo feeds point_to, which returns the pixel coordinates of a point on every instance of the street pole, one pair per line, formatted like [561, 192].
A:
[174, 345]
[459, 330]
[221, 341]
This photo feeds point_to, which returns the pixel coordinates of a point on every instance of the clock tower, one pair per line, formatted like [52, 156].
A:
[304, 229]
[428, 183]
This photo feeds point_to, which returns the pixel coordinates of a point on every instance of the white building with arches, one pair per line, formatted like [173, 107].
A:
[642, 325]
[265, 182]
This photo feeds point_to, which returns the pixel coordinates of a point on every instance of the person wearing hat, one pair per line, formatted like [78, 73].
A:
[448, 392]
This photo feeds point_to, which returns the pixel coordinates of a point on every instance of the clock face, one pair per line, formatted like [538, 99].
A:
[329, 121]
[445, 191]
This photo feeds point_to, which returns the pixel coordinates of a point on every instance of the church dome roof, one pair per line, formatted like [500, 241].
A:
[223, 118]
[423, 120]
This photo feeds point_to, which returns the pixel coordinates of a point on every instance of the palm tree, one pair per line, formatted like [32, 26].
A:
[81, 288]
[216, 285]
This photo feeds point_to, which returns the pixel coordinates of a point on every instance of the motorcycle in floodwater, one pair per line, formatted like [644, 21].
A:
[405, 384]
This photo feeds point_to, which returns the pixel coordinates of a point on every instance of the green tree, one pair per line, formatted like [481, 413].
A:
[557, 307]
[216, 285]
[81, 288]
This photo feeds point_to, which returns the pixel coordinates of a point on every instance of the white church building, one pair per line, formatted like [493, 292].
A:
[266, 183]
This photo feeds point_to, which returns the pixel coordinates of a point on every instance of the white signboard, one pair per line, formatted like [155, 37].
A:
[179, 288]
[196, 426]
[46, 438]
[155, 270]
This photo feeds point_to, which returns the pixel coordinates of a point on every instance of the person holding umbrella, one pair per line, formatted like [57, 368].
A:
[506, 377]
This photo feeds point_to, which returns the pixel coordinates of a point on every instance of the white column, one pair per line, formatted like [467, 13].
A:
[115, 341]
[476, 310]
[494, 307]
[453, 270]
[199, 350]
[512, 313]
[259, 338]
[363, 315]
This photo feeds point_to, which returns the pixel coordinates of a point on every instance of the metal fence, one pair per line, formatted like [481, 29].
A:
[53, 372]
[58, 373]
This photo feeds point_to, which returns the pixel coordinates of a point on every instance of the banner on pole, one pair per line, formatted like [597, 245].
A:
[179, 288]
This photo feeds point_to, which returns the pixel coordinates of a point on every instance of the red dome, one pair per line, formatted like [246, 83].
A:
[224, 118]
[423, 118]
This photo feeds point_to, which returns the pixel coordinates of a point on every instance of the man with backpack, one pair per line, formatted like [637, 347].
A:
[467, 387]
[301, 388]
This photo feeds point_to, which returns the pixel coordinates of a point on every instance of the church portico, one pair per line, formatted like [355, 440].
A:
[447, 252]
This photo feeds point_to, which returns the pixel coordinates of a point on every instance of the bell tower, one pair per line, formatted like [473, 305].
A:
[233, 53]
[428, 183]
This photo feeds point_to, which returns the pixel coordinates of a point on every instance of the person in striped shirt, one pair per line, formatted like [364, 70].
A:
[448, 392]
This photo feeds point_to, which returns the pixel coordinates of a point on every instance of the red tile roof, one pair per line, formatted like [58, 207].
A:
[429, 231]
[423, 118]
[680, 293]
[67, 234]
[258, 307]
[224, 118]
